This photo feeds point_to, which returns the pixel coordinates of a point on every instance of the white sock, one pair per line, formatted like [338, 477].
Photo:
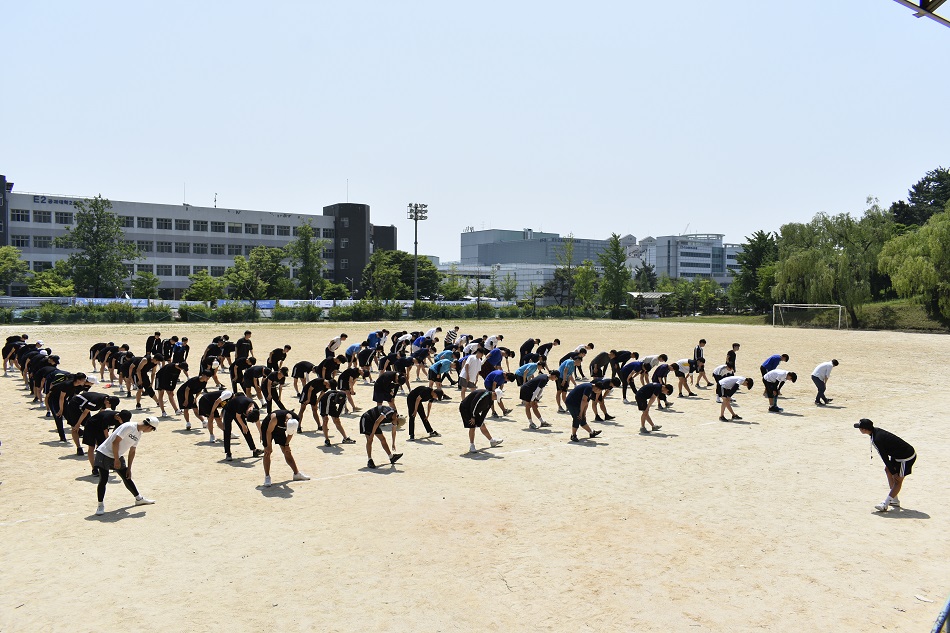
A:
[139, 497]
[102, 504]
[887, 499]
[541, 420]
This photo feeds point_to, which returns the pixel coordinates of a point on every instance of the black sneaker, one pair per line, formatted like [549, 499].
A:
[326, 443]
[79, 451]
[411, 439]
[594, 434]
[597, 418]
[394, 458]
[574, 438]
[258, 452]
[227, 457]
[371, 464]
[435, 434]
[95, 472]
[610, 417]
[348, 440]
[737, 417]
[722, 418]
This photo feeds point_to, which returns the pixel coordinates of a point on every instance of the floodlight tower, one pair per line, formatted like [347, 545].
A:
[415, 213]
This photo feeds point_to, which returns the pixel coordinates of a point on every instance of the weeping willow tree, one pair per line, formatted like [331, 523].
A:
[918, 264]
[833, 259]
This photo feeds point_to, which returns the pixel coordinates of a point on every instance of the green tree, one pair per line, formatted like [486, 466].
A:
[918, 264]
[12, 268]
[97, 268]
[645, 279]
[585, 284]
[305, 253]
[492, 289]
[54, 282]
[928, 196]
[508, 289]
[564, 254]
[747, 290]
[832, 259]
[145, 286]
[381, 278]
[616, 275]
[204, 287]
[257, 276]
[453, 286]
[402, 262]
[336, 292]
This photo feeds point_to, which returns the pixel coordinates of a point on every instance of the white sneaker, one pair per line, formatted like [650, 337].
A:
[142, 501]
[267, 481]
[204, 425]
[895, 502]
[188, 426]
[301, 477]
[472, 449]
[177, 411]
[881, 507]
[495, 443]
[625, 401]
[212, 439]
[100, 509]
[719, 400]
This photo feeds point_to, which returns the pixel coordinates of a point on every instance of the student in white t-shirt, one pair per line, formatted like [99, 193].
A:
[820, 377]
[111, 455]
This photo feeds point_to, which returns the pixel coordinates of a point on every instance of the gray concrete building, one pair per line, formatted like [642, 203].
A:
[176, 241]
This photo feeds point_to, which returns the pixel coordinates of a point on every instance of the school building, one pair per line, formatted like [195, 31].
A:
[176, 241]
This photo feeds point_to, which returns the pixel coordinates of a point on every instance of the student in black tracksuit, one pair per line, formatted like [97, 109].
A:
[898, 457]
[419, 402]
[242, 410]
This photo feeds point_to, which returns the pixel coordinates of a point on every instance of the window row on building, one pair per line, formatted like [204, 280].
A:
[150, 246]
[168, 224]
[173, 270]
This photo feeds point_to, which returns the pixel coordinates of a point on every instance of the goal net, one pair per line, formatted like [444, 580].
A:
[821, 315]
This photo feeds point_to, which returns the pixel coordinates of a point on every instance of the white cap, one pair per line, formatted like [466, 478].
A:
[225, 395]
[499, 393]
[292, 426]
[215, 364]
[92, 380]
[151, 420]
[39, 343]
[43, 352]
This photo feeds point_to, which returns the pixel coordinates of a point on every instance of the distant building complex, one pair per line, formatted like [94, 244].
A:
[531, 257]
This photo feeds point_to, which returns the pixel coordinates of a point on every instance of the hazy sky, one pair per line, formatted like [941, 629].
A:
[634, 117]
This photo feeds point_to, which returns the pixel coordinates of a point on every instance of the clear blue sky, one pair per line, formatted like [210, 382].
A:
[634, 117]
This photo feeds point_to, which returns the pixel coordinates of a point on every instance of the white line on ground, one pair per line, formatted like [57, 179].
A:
[40, 518]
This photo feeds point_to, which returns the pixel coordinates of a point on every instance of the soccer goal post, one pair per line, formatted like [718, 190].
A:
[809, 315]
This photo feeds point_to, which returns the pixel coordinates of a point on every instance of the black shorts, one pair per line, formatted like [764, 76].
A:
[435, 376]
[165, 384]
[562, 385]
[731, 391]
[312, 400]
[247, 382]
[332, 409]
[468, 415]
[901, 469]
[366, 425]
[298, 372]
[93, 436]
[679, 374]
[643, 404]
[530, 395]
[771, 388]
[278, 435]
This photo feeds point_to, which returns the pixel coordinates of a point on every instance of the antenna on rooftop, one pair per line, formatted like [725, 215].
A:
[216, 200]
[686, 230]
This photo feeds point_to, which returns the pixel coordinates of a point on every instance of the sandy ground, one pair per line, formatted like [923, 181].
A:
[764, 525]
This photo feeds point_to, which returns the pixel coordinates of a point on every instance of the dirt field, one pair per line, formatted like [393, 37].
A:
[766, 524]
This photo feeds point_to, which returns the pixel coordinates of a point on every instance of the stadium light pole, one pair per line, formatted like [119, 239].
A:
[415, 213]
